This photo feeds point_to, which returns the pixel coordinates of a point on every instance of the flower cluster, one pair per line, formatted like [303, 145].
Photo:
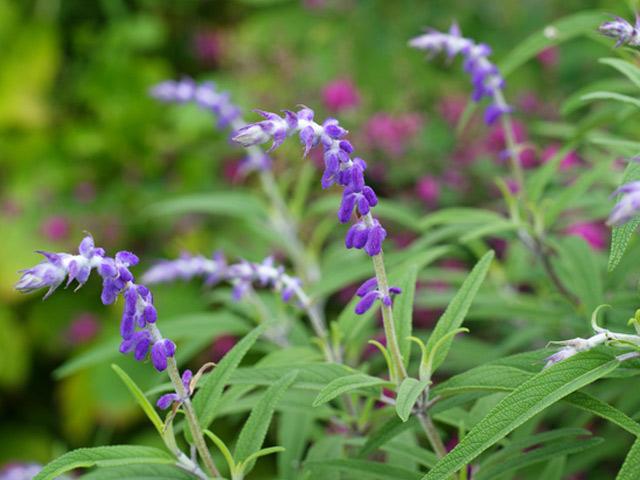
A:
[241, 275]
[628, 205]
[206, 96]
[167, 399]
[486, 79]
[137, 328]
[622, 31]
[340, 168]
[369, 293]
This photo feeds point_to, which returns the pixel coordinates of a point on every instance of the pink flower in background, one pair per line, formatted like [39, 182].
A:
[451, 108]
[570, 160]
[549, 57]
[83, 329]
[340, 95]
[232, 170]
[391, 133]
[529, 102]
[221, 346]
[594, 233]
[428, 190]
[10, 208]
[55, 228]
[208, 47]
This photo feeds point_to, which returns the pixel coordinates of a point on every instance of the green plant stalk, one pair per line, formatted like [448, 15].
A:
[432, 434]
[192, 420]
[400, 373]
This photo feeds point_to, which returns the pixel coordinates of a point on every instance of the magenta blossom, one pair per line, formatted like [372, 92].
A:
[391, 133]
[208, 47]
[221, 345]
[83, 329]
[570, 160]
[56, 228]
[340, 95]
[594, 233]
[428, 190]
[497, 143]
[548, 57]
[451, 108]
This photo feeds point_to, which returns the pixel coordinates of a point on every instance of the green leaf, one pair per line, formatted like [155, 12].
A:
[408, 393]
[537, 455]
[385, 433]
[138, 472]
[255, 428]
[459, 215]
[579, 271]
[403, 310]
[631, 467]
[628, 69]
[294, 430]
[207, 397]
[364, 469]
[456, 310]
[621, 235]
[141, 399]
[311, 376]
[595, 406]
[564, 29]
[529, 399]
[103, 457]
[236, 204]
[617, 97]
[346, 384]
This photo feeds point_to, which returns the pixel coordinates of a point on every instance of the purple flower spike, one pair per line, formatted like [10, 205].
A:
[241, 275]
[369, 293]
[628, 205]
[622, 31]
[58, 266]
[340, 168]
[138, 312]
[485, 76]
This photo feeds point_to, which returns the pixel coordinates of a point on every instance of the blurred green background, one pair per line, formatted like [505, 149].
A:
[83, 147]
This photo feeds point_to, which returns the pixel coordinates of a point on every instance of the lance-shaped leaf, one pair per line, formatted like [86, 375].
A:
[621, 234]
[255, 428]
[346, 384]
[408, 393]
[456, 310]
[631, 467]
[103, 457]
[206, 400]
[529, 399]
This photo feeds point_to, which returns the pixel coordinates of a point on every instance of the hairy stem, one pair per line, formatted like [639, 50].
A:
[432, 434]
[400, 373]
[196, 432]
[511, 144]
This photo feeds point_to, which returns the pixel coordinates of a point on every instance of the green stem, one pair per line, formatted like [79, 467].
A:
[432, 434]
[511, 144]
[196, 432]
[400, 372]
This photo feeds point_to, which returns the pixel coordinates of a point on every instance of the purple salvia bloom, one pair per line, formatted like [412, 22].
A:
[369, 293]
[340, 168]
[209, 98]
[166, 400]
[242, 275]
[485, 76]
[628, 205]
[622, 31]
[139, 313]
[58, 266]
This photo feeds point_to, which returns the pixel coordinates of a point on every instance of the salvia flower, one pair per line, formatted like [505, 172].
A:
[340, 167]
[208, 97]
[622, 31]
[628, 205]
[485, 77]
[137, 328]
[369, 293]
[166, 400]
[241, 275]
